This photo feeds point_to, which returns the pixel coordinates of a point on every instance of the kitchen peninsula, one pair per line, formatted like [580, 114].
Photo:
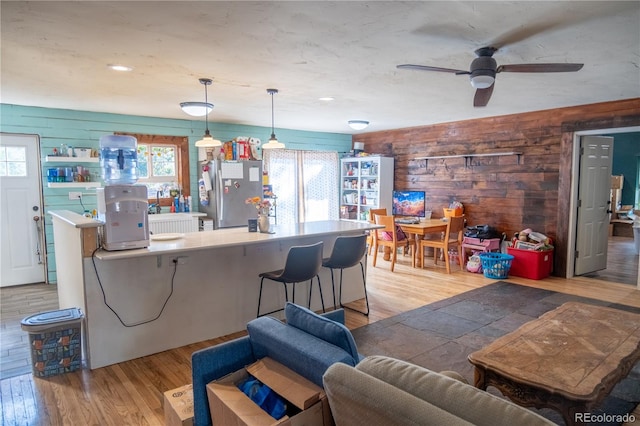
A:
[181, 291]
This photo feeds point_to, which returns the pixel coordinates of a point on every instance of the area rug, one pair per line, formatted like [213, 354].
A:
[441, 335]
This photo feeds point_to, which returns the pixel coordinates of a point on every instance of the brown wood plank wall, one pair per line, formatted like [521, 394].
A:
[499, 191]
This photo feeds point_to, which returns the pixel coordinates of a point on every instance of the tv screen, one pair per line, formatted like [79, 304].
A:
[408, 203]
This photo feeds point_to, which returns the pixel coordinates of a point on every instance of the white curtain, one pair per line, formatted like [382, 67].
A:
[306, 184]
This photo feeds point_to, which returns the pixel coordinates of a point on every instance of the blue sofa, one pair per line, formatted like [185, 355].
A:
[307, 343]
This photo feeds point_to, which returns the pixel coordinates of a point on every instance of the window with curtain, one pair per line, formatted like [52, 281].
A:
[306, 184]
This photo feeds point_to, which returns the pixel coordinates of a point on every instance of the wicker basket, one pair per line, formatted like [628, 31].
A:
[496, 265]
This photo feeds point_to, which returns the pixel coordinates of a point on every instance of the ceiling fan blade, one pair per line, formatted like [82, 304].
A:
[428, 68]
[559, 67]
[482, 96]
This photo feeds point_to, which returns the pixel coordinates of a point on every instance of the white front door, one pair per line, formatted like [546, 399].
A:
[592, 233]
[21, 238]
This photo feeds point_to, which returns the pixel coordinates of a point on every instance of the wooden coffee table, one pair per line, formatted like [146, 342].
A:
[569, 359]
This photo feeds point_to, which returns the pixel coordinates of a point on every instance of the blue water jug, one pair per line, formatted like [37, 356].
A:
[119, 159]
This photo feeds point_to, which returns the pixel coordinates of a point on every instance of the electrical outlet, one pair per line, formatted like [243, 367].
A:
[182, 260]
[75, 195]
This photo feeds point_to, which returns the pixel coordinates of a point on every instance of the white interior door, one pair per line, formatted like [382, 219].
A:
[592, 233]
[21, 248]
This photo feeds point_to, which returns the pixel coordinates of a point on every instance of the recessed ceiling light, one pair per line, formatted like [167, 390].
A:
[117, 67]
[326, 99]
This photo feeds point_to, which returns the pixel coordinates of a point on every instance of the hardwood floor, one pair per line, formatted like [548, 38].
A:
[132, 392]
[16, 304]
[622, 262]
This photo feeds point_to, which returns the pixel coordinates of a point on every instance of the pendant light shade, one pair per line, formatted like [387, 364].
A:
[207, 140]
[273, 141]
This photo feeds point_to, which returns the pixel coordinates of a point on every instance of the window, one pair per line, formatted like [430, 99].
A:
[13, 161]
[157, 168]
[305, 183]
[163, 166]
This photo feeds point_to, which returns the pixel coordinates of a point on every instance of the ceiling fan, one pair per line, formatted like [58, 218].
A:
[484, 68]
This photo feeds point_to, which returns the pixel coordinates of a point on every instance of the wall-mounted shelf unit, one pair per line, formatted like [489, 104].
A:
[73, 184]
[60, 159]
[469, 157]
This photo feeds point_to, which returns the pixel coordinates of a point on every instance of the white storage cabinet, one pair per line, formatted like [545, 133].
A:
[365, 183]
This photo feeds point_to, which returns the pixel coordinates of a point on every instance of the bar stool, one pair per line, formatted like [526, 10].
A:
[303, 263]
[347, 252]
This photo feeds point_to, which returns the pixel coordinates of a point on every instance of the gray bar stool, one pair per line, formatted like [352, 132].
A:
[303, 263]
[347, 252]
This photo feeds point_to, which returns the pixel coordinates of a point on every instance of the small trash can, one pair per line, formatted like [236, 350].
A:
[55, 339]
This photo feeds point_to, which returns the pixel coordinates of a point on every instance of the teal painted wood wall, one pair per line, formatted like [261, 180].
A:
[626, 154]
[84, 129]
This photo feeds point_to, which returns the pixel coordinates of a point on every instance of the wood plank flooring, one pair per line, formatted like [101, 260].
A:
[132, 392]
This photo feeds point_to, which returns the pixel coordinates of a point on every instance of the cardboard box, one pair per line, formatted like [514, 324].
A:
[231, 407]
[178, 406]
[615, 197]
[531, 264]
[617, 182]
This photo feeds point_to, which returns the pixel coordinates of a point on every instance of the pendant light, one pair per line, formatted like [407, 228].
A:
[273, 141]
[207, 140]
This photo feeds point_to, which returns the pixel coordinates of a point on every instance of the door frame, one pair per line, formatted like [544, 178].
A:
[575, 167]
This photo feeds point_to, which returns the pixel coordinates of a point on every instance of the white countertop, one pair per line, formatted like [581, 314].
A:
[79, 221]
[238, 236]
[75, 219]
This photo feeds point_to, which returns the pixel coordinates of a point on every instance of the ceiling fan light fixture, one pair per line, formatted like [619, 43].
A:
[482, 81]
[207, 140]
[273, 142]
[196, 109]
[358, 124]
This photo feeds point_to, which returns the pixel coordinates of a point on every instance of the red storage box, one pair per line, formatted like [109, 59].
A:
[531, 264]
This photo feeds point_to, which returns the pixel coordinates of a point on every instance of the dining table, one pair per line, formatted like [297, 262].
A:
[422, 228]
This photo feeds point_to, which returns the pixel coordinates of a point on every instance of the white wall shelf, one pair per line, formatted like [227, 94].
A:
[60, 159]
[469, 157]
[73, 184]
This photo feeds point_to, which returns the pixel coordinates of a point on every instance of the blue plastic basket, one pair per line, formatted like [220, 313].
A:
[496, 265]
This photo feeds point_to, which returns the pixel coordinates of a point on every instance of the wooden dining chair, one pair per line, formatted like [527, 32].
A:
[372, 214]
[390, 230]
[452, 238]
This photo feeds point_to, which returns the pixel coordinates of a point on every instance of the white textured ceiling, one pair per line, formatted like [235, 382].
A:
[54, 54]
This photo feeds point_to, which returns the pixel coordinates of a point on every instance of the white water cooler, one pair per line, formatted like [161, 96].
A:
[123, 209]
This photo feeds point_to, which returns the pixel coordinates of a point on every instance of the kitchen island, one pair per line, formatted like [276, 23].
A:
[180, 291]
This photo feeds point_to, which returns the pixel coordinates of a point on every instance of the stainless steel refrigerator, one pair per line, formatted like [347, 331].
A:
[228, 184]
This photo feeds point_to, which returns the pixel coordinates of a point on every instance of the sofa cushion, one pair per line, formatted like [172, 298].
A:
[359, 399]
[330, 331]
[465, 401]
[302, 352]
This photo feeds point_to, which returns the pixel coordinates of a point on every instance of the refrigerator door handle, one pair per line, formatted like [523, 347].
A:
[219, 192]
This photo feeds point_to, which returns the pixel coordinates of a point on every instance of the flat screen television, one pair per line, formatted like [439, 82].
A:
[408, 203]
